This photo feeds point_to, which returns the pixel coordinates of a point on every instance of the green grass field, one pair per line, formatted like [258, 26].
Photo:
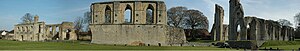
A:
[76, 45]
[286, 45]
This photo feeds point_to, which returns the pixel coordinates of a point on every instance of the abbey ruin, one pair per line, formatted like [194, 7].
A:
[251, 28]
[217, 30]
[109, 25]
[39, 31]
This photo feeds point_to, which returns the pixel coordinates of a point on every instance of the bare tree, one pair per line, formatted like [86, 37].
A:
[79, 24]
[176, 15]
[87, 17]
[27, 18]
[86, 21]
[297, 19]
[284, 22]
[82, 23]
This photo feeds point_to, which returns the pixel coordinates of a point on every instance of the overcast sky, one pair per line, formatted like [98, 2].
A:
[56, 11]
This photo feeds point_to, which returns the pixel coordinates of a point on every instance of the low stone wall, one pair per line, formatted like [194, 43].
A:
[29, 37]
[243, 44]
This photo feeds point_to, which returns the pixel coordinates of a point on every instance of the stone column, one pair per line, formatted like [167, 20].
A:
[53, 31]
[218, 23]
[47, 33]
[285, 35]
[278, 32]
[293, 35]
[225, 32]
[265, 30]
[25, 29]
[253, 31]
[273, 33]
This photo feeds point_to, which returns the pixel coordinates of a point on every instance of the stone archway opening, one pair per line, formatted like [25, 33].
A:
[238, 34]
[107, 14]
[150, 14]
[68, 34]
[248, 31]
[128, 14]
[22, 37]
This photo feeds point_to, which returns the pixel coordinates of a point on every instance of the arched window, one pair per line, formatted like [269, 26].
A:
[23, 29]
[40, 28]
[50, 29]
[27, 29]
[18, 29]
[149, 14]
[128, 16]
[57, 29]
[107, 14]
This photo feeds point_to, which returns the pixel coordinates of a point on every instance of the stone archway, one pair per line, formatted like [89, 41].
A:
[68, 32]
[22, 37]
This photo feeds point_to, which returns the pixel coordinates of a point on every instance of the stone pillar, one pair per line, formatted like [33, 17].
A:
[278, 32]
[283, 32]
[293, 35]
[258, 30]
[53, 31]
[42, 32]
[265, 30]
[285, 35]
[61, 33]
[47, 33]
[16, 31]
[253, 30]
[269, 27]
[161, 13]
[225, 32]
[218, 23]
[213, 33]
[273, 32]
[25, 29]
[243, 32]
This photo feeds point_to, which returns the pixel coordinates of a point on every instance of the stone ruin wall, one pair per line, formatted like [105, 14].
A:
[27, 32]
[253, 31]
[260, 29]
[39, 31]
[111, 28]
[251, 28]
[217, 30]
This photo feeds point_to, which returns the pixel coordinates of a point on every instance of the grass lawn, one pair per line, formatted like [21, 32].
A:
[286, 45]
[76, 45]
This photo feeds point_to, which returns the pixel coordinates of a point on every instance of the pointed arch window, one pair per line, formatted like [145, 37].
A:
[150, 14]
[107, 14]
[128, 14]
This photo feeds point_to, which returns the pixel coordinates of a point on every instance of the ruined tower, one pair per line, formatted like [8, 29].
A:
[36, 18]
[236, 18]
[218, 24]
